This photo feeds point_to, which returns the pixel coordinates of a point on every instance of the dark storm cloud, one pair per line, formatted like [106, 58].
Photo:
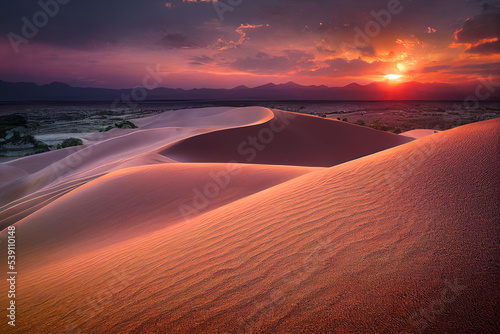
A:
[482, 27]
[91, 23]
[486, 48]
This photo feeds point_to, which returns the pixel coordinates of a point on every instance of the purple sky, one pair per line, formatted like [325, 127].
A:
[116, 43]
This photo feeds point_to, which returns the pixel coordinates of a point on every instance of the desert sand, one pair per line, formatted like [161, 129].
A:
[254, 220]
[419, 133]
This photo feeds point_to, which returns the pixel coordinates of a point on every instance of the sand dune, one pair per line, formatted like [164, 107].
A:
[10, 173]
[212, 134]
[108, 152]
[140, 200]
[286, 139]
[419, 133]
[399, 240]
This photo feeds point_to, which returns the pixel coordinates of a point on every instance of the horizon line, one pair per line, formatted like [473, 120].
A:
[243, 86]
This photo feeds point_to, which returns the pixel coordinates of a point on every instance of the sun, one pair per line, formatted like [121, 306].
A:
[393, 76]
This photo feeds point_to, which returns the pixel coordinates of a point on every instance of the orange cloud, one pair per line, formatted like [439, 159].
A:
[223, 45]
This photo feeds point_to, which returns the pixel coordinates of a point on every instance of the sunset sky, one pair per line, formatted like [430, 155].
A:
[195, 43]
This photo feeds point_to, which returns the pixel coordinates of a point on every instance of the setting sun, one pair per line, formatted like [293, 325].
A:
[393, 76]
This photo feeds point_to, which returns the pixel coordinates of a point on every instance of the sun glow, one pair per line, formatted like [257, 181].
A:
[393, 76]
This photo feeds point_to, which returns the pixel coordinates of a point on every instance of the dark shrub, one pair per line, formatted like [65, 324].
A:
[12, 121]
[70, 142]
[126, 125]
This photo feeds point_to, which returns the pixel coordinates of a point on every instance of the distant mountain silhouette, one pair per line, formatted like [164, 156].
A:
[58, 91]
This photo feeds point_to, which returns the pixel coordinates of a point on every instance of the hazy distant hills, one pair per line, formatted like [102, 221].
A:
[57, 91]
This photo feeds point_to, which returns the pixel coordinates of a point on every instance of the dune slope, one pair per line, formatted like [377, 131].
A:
[404, 240]
[136, 201]
[286, 139]
[28, 184]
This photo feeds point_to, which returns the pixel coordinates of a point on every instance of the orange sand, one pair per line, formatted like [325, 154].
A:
[391, 239]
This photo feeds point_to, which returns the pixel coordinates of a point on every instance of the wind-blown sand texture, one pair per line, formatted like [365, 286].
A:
[184, 226]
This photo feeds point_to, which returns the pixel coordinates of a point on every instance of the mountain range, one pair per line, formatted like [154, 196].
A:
[58, 91]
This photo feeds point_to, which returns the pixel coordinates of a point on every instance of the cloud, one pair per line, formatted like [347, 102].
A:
[242, 31]
[367, 50]
[326, 50]
[437, 68]
[290, 61]
[482, 33]
[179, 41]
[92, 24]
[480, 66]
[482, 69]
[485, 69]
[251, 38]
[340, 67]
[485, 48]
[201, 60]
[204, 59]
